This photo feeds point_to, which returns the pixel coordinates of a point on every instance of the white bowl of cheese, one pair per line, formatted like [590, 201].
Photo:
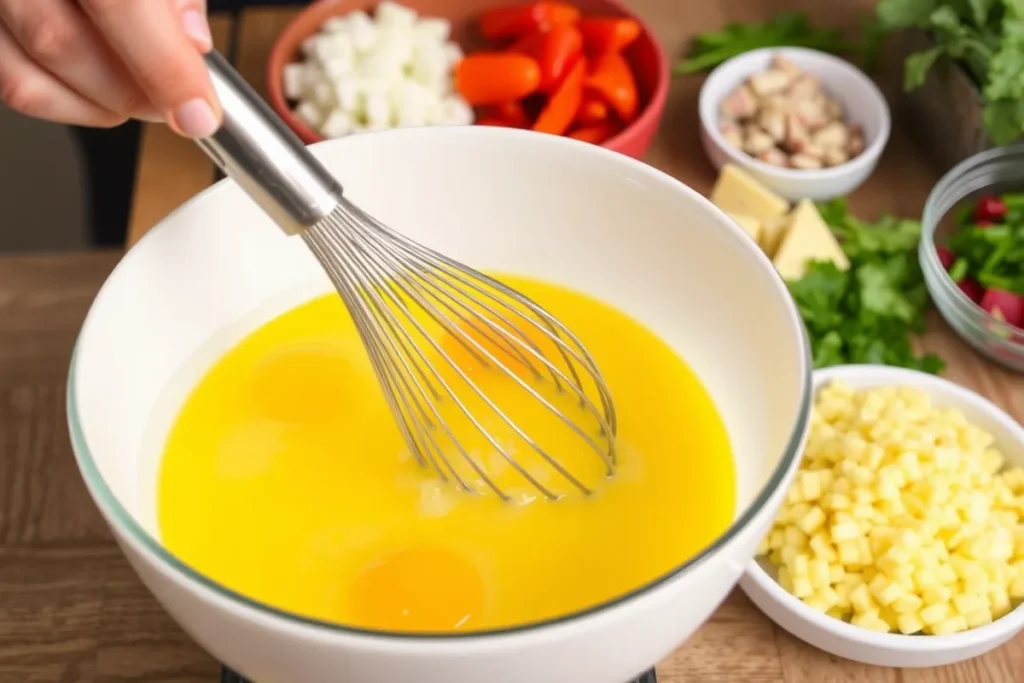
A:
[860, 97]
[964, 629]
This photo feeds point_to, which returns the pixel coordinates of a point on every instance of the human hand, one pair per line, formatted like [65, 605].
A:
[100, 62]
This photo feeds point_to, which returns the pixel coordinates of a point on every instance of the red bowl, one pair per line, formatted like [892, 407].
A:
[645, 56]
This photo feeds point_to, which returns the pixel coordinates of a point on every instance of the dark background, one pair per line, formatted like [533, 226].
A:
[110, 159]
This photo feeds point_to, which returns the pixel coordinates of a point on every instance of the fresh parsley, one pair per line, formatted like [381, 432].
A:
[986, 37]
[992, 254]
[791, 29]
[871, 312]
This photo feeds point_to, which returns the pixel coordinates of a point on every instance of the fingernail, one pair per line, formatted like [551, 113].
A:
[197, 28]
[196, 119]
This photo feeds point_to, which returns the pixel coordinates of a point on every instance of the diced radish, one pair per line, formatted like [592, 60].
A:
[989, 208]
[946, 257]
[972, 289]
[1004, 305]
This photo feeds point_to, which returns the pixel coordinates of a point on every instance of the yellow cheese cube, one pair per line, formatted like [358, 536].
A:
[772, 232]
[933, 614]
[807, 238]
[870, 621]
[909, 623]
[952, 625]
[736, 191]
[979, 618]
[749, 224]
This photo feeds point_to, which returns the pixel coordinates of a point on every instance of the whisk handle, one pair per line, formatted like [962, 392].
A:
[255, 148]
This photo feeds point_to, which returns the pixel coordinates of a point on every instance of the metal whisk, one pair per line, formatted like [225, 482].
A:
[418, 311]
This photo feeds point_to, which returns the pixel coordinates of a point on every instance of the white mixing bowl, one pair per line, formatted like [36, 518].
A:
[499, 199]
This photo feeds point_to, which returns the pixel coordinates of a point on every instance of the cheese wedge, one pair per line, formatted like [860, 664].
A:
[750, 225]
[736, 191]
[808, 238]
[772, 232]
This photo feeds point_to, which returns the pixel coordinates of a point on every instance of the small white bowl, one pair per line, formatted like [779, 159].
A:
[891, 649]
[864, 103]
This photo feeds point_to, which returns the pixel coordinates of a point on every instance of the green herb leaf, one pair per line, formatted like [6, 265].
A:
[917, 66]
[790, 29]
[905, 13]
[866, 314]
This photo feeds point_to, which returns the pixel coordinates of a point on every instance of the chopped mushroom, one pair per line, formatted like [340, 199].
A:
[784, 117]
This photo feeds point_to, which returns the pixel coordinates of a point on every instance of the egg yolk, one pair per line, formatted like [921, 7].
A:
[418, 589]
[285, 477]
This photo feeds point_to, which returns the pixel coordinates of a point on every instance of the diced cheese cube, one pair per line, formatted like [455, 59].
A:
[909, 623]
[772, 232]
[749, 224]
[933, 614]
[870, 621]
[736, 191]
[952, 625]
[808, 238]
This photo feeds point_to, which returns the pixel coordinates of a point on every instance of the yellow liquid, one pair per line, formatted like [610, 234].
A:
[285, 479]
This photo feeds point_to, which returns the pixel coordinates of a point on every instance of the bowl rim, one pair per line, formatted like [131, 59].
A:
[708, 118]
[647, 118]
[118, 516]
[1012, 621]
[928, 256]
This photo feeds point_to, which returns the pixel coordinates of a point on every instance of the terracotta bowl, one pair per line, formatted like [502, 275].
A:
[645, 56]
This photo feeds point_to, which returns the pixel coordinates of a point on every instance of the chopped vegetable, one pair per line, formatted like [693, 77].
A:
[514, 21]
[555, 49]
[592, 111]
[870, 312]
[604, 35]
[493, 77]
[567, 98]
[788, 29]
[1006, 306]
[972, 289]
[561, 108]
[986, 37]
[362, 73]
[988, 251]
[512, 113]
[596, 133]
[612, 80]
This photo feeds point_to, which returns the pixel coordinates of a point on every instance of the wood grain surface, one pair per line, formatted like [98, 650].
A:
[71, 609]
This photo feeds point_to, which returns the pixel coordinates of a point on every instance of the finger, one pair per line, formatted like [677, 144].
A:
[57, 35]
[151, 41]
[27, 88]
[193, 20]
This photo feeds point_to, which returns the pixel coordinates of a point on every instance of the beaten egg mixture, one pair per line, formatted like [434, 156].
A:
[285, 478]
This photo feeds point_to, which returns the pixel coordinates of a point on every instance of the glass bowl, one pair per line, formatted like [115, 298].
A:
[993, 171]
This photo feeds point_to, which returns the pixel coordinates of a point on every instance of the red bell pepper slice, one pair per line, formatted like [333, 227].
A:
[612, 80]
[603, 35]
[555, 49]
[563, 104]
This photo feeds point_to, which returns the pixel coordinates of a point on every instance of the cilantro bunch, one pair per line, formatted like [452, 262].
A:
[985, 36]
[791, 29]
[870, 312]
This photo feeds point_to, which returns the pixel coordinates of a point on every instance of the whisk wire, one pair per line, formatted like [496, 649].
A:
[379, 272]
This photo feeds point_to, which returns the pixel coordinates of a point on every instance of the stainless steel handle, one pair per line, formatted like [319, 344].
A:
[255, 148]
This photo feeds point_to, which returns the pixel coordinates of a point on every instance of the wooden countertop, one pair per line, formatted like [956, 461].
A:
[70, 607]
